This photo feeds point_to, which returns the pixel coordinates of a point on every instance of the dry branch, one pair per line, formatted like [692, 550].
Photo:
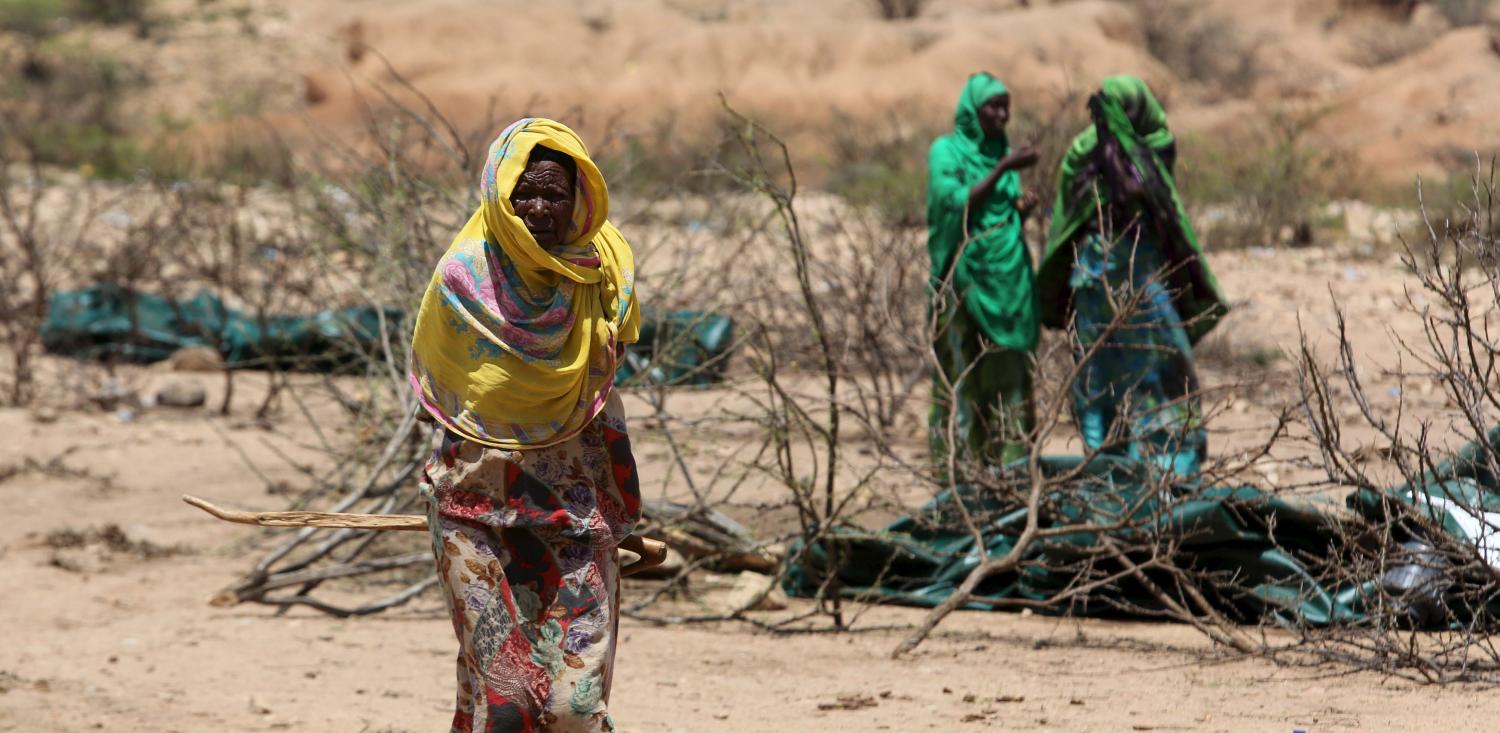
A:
[650, 552]
[325, 520]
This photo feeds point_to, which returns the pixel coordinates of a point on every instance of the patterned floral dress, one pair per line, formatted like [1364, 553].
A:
[525, 544]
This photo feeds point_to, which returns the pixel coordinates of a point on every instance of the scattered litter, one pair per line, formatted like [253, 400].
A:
[117, 218]
[115, 395]
[849, 702]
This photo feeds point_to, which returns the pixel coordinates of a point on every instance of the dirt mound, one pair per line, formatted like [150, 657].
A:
[1427, 113]
[1404, 88]
[642, 63]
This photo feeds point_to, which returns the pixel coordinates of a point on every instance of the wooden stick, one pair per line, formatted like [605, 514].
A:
[329, 520]
[650, 552]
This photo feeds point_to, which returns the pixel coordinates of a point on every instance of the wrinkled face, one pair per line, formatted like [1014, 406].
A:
[994, 114]
[543, 199]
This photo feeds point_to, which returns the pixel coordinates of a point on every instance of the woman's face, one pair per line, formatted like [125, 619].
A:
[993, 115]
[543, 199]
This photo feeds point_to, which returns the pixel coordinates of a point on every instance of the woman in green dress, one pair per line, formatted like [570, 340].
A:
[1120, 235]
[984, 296]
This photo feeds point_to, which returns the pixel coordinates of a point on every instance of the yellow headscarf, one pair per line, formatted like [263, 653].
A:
[514, 345]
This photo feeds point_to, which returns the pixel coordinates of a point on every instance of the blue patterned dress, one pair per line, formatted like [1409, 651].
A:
[1138, 394]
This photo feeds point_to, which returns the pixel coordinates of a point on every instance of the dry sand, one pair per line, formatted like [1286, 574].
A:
[97, 637]
[101, 636]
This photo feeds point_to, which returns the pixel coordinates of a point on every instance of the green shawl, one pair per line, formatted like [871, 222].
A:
[993, 273]
[1127, 110]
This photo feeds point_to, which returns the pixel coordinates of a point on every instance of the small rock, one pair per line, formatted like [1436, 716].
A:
[185, 393]
[44, 415]
[196, 359]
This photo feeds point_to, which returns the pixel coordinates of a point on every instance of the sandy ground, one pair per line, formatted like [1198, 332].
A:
[116, 634]
[105, 624]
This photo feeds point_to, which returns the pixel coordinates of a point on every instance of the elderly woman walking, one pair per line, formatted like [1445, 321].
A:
[984, 300]
[533, 485]
[1120, 235]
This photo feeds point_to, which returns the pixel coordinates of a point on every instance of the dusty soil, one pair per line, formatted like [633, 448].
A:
[106, 623]
[110, 628]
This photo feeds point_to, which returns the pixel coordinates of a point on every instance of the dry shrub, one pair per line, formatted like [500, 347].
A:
[1207, 48]
[1464, 12]
[881, 166]
[1381, 42]
[1456, 12]
[1417, 571]
[63, 103]
[1265, 184]
[899, 9]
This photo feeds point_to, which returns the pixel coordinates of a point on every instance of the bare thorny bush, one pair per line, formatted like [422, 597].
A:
[358, 228]
[1409, 568]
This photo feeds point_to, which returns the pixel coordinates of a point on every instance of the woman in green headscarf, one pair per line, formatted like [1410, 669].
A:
[984, 295]
[1120, 235]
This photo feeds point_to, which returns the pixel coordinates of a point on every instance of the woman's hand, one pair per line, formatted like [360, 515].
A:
[1027, 203]
[1020, 158]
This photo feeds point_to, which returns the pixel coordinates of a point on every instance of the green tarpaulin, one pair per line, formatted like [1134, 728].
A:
[685, 347]
[106, 322]
[1277, 552]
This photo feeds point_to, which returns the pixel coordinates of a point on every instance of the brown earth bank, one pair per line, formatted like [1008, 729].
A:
[1405, 93]
[106, 624]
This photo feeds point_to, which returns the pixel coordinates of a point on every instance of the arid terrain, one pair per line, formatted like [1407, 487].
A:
[116, 633]
[1326, 110]
[1405, 93]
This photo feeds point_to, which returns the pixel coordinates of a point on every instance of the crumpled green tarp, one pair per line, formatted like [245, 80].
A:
[1276, 550]
[107, 322]
[682, 347]
[1453, 495]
